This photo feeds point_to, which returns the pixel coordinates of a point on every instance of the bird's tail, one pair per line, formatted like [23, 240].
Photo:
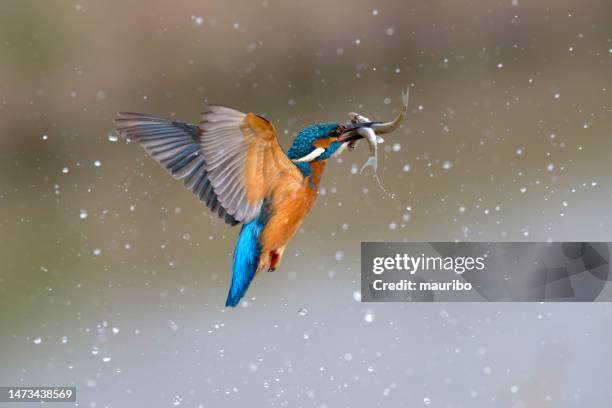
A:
[246, 260]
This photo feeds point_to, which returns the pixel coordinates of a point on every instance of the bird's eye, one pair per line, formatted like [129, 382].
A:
[338, 130]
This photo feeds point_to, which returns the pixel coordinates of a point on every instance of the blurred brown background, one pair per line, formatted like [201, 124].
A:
[507, 138]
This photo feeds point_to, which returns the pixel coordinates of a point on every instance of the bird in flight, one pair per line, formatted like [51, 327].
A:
[233, 163]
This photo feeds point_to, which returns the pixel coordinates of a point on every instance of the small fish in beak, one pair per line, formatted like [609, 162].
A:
[368, 130]
[373, 141]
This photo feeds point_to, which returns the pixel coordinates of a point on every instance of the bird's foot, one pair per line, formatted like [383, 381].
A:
[273, 261]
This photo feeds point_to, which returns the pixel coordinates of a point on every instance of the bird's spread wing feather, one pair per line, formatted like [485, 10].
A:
[174, 145]
[243, 158]
[230, 160]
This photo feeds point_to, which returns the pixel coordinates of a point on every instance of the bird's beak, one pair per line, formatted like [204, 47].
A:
[349, 133]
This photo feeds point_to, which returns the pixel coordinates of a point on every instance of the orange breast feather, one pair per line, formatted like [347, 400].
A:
[291, 201]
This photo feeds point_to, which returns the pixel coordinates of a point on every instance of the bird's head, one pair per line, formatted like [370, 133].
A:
[322, 141]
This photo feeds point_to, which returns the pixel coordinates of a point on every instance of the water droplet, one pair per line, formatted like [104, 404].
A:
[97, 251]
[369, 317]
[198, 21]
[302, 312]
[112, 137]
[37, 340]
[65, 170]
[176, 401]
[94, 351]
[427, 401]
[83, 214]
[97, 163]
[45, 137]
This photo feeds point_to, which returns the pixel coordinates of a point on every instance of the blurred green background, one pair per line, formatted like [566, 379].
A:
[113, 276]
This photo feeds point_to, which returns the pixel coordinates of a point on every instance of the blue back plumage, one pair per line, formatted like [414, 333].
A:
[304, 141]
[246, 257]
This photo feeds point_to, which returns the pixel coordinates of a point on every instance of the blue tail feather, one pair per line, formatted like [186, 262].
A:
[246, 256]
[246, 259]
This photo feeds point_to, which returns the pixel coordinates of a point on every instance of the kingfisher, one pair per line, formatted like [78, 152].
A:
[233, 163]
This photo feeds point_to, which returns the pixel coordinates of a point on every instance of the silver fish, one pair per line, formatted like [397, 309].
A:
[370, 134]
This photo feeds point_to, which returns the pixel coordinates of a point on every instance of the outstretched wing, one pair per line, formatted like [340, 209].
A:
[229, 161]
[176, 146]
[243, 159]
